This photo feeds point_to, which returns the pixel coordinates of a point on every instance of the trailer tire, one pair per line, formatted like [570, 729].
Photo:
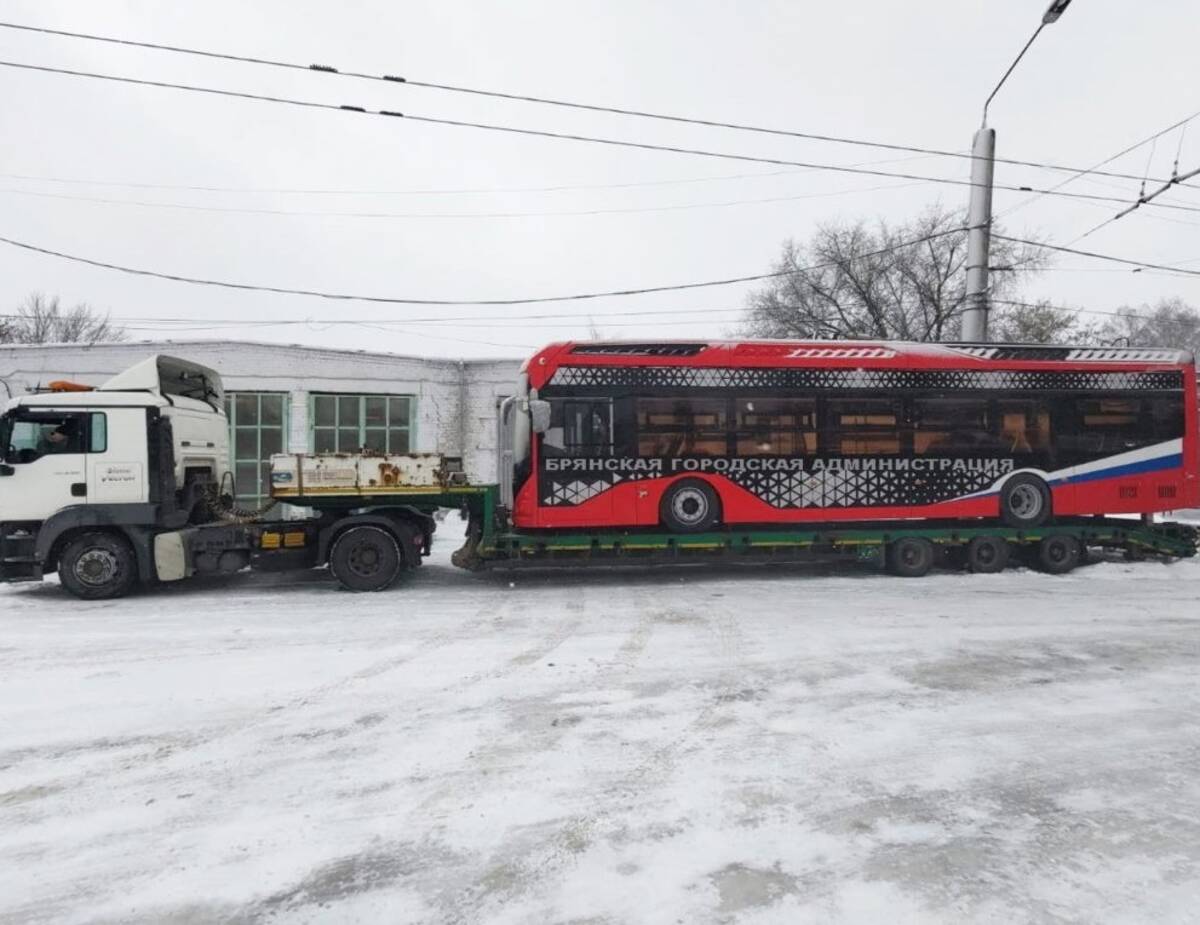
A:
[910, 557]
[98, 566]
[1058, 553]
[1025, 501]
[689, 506]
[366, 558]
[987, 554]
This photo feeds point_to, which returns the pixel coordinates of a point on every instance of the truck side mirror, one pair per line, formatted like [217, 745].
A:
[6, 469]
[539, 415]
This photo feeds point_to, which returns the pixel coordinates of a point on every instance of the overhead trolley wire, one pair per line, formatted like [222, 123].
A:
[548, 101]
[319, 213]
[390, 300]
[566, 136]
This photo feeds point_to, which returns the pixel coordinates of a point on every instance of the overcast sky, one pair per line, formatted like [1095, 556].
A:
[1108, 74]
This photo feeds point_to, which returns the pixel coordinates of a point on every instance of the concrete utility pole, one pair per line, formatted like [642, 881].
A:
[979, 213]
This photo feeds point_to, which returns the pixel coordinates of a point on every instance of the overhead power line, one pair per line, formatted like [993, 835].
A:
[390, 300]
[548, 101]
[319, 213]
[1092, 254]
[1055, 189]
[565, 136]
[1143, 199]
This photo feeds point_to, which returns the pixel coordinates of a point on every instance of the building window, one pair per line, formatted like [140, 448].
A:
[349, 423]
[257, 422]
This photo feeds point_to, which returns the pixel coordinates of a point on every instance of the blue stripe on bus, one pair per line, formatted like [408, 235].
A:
[1136, 468]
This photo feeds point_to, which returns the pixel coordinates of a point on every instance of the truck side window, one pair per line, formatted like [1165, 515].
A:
[39, 434]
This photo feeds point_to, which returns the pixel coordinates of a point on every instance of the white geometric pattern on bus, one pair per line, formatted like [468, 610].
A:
[726, 378]
[844, 488]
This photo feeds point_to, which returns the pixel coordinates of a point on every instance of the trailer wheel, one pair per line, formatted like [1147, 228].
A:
[366, 558]
[1025, 501]
[910, 557]
[987, 554]
[689, 506]
[1058, 553]
[98, 566]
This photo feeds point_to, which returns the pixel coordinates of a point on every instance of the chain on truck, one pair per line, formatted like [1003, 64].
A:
[129, 483]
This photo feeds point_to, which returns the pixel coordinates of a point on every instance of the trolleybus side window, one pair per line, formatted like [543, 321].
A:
[863, 427]
[1103, 426]
[682, 427]
[776, 427]
[580, 428]
[1024, 427]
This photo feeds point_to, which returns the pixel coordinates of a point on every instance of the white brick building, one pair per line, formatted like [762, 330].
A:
[304, 399]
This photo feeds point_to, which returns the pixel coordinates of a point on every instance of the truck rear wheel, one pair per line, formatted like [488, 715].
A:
[986, 554]
[366, 558]
[98, 566]
[1059, 553]
[910, 557]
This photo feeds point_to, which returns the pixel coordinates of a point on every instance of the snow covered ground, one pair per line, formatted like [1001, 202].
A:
[756, 745]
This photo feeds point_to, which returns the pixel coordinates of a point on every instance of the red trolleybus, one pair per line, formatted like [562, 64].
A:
[687, 436]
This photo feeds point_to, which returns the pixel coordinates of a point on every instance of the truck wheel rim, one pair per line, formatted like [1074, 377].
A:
[1025, 502]
[96, 567]
[690, 506]
[365, 559]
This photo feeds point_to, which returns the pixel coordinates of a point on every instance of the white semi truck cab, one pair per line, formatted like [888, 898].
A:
[90, 475]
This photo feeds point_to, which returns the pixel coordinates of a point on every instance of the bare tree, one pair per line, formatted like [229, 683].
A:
[1170, 323]
[855, 281]
[42, 320]
[1040, 322]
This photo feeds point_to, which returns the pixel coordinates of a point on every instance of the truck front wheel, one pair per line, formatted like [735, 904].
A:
[366, 558]
[98, 566]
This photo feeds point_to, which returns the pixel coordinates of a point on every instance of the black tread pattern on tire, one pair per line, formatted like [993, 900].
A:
[127, 571]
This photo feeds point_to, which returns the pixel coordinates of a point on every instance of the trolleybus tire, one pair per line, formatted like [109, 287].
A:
[1058, 553]
[910, 557]
[366, 558]
[98, 566]
[689, 506]
[986, 554]
[1025, 501]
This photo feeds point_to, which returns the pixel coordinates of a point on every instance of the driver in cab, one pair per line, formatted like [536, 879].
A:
[54, 438]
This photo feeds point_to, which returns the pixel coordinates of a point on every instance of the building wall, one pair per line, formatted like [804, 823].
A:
[453, 401]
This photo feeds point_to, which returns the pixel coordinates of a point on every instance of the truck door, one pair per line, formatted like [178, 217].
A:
[45, 466]
[117, 457]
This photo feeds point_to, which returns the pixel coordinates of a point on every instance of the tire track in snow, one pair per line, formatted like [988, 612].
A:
[507, 876]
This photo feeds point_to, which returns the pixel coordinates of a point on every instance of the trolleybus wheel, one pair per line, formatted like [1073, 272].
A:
[689, 506]
[1058, 553]
[98, 566]
[987, 554]
[1025, 501]
[366, 558]
[910, 557]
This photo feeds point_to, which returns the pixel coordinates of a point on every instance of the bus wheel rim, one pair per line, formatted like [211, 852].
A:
[96, 567]
[1026, 501]
[690, 505]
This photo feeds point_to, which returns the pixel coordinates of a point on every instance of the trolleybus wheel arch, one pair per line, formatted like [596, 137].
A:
[689, 506]
[1025, 501]
[1058, 553]
[987, 554]
[366, 558]
[910, 557]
